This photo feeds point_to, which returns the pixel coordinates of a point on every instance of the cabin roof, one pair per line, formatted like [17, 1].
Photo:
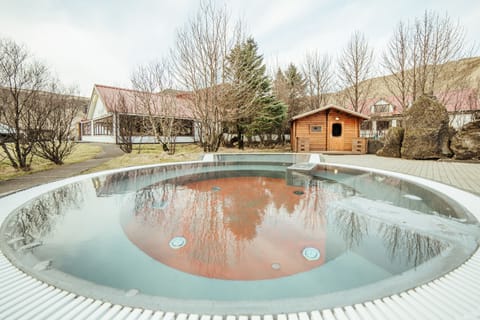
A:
[331, 106]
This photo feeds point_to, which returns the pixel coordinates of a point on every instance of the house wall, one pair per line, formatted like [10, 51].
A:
[97, 107]
[323, 140]
[135, 139]
[102, 139]
[147, 139]
[150, 139]
[458, 120]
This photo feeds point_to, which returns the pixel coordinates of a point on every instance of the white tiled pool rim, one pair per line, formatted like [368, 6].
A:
[455, 295]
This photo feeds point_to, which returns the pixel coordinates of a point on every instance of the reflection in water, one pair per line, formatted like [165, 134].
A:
[241, 224]
[406, 245]
[401, 243]
[232, 232]
[36, 220]
[398, 192]
[351, 226]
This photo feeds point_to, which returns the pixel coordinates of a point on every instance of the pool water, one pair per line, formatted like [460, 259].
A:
[243, 231]
[231, 233]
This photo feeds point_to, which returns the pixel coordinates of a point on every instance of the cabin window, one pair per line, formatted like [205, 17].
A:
[337, 130]
[315, 128]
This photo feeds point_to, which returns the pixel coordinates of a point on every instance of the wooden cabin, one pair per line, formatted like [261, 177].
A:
[330, 128]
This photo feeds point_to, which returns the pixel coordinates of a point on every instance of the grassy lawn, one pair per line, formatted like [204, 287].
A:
[82, 152]
[141, 155]
[152, 154]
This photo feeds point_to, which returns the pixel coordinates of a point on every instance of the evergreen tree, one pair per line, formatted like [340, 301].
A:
[280, 86]
[249, 90]
[289, 87]
[269, 119]
[295, 86]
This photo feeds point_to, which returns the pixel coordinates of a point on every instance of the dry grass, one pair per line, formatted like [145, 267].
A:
[141, 155]
[152, 154]
[81, 153]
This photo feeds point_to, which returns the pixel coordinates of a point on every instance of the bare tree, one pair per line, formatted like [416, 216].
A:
[397, 61]
[436, 40]
[318, 78]
[152, 82]
[420, 57]
[200, 57]
[355, 66]
[125, 124]
[23, 80]
[61, 107]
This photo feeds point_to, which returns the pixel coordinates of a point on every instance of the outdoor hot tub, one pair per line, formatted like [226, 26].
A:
[240, 235]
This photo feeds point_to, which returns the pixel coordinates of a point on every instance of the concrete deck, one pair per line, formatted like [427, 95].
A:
[465, 176]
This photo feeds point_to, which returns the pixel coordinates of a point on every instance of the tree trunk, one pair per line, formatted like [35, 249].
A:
[240, 137]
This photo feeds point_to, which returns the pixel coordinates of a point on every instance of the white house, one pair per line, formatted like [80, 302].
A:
[110, 107]
[462, 106]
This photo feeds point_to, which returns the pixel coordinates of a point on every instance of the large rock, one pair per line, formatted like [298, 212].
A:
[426, 130]
[393, 143]
[465, 143]
[373, 145]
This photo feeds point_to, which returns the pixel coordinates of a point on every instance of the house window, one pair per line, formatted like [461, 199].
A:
[183, 127]
[383, 125]
[337, 130]
[86, 128]
[476, 116]
[366, 125]
[315, 128]
[381, 107]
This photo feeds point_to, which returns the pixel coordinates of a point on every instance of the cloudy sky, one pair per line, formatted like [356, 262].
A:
[88, 41]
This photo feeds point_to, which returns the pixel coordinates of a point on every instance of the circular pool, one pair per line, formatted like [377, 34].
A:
[239, 234]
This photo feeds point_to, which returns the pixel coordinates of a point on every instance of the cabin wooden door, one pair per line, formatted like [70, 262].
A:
[336, 136]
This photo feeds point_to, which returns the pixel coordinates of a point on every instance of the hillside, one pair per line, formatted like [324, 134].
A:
[462, 74]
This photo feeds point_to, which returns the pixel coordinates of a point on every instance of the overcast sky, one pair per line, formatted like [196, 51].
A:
[86, 41]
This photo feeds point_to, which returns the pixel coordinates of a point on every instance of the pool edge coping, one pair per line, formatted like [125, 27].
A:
[463, 277]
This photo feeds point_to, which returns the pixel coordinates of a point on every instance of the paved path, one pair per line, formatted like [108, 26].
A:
[462, 175]
[108, 152]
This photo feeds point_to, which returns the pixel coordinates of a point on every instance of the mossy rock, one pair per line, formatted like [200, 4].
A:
[373, 145]
[393, 143]
[465, 143]
[427, 132]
